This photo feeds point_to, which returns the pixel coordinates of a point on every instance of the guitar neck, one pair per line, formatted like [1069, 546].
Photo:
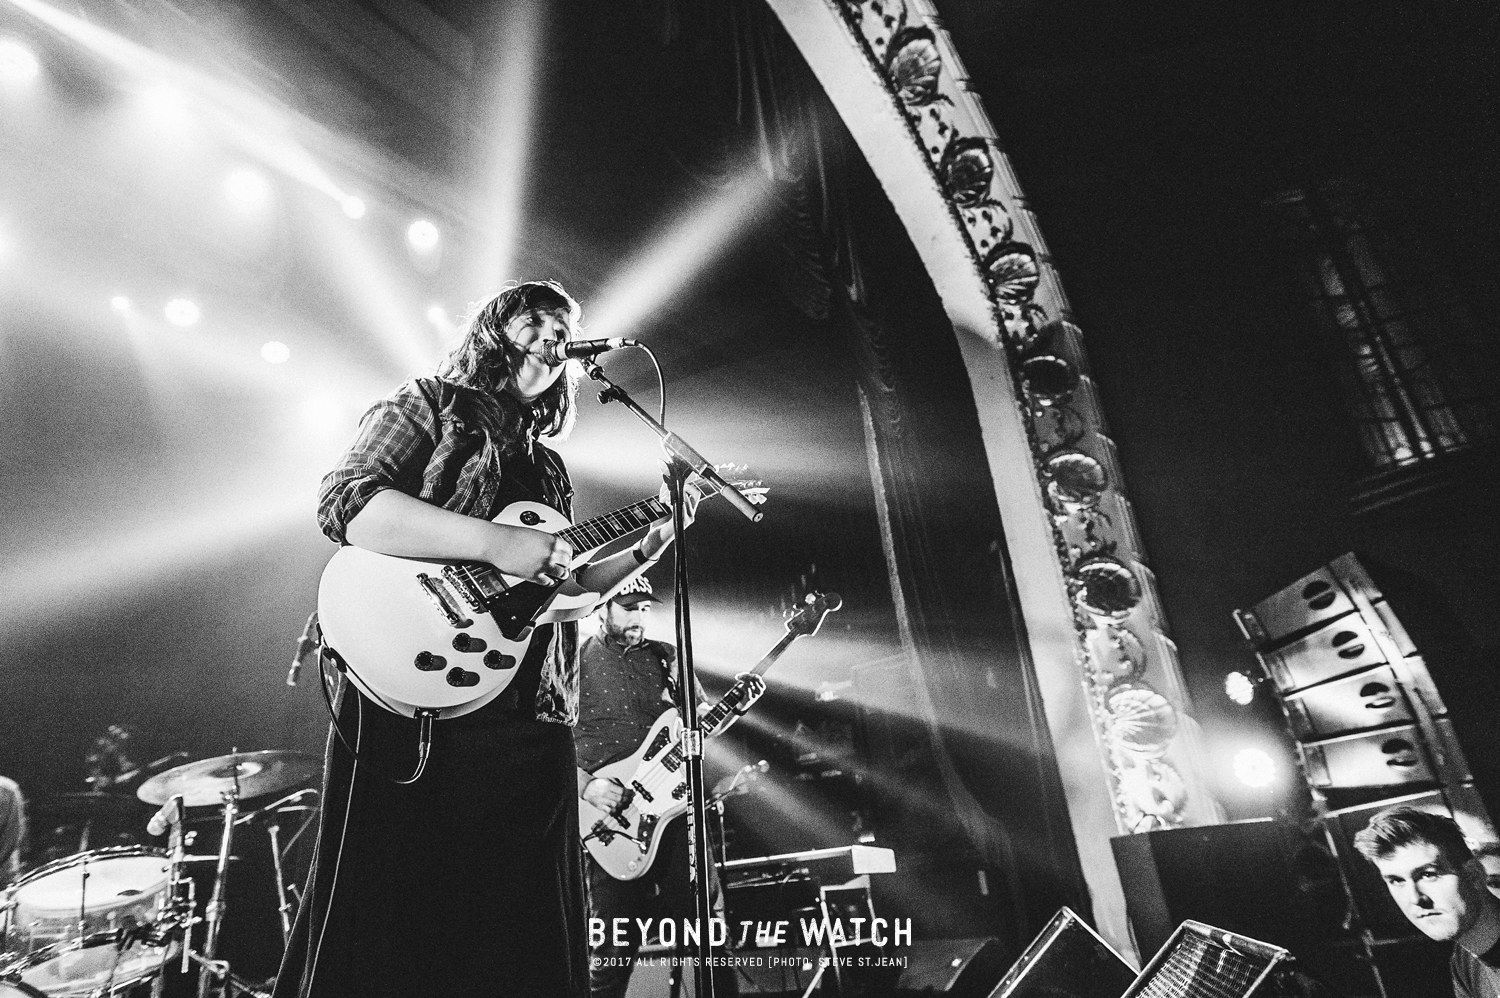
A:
[600, 530]
[730, 700]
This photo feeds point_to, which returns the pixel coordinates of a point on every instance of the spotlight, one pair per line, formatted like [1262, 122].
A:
[327, 419]
[17, 63]
[354, 207]
[422, 235]
[1254, 767]
[120, 303]
[437, 316]
[181, 312]
[275, 352]
[165, 107]
[1239, 687]
[247, 187]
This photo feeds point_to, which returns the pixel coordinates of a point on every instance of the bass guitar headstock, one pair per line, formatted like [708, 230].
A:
[809, 617]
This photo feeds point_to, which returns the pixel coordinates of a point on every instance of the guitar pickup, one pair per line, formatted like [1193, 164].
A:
[438, 593]
[462, 580]
[645, 794]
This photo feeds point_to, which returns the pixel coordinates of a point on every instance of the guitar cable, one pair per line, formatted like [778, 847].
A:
[425, 716]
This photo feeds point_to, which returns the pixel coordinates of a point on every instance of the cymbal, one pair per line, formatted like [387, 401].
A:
[206, 781]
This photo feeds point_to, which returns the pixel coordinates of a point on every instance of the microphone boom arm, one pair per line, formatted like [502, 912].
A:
[678, 448]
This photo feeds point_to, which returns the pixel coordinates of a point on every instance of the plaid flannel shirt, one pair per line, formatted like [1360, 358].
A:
[424, 441]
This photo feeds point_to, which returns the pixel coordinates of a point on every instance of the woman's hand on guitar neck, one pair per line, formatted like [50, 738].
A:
[661, 533]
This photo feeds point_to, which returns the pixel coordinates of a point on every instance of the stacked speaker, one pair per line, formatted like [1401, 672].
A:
[1370, 727]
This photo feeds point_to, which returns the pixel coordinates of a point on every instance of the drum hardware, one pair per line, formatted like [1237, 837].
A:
[284, 805]
[216, 902]
[225, 781]
[283, 906]
[104, 921]
[85, 925]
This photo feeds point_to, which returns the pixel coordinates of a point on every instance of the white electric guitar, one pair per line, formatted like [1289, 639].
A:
[625, 841]
[446, 637]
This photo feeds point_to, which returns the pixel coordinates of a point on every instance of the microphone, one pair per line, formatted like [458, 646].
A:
[557, 353]
[739, 783]
[170, 814]
[306, 646]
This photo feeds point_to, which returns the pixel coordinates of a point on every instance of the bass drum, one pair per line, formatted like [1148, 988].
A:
[93, 966]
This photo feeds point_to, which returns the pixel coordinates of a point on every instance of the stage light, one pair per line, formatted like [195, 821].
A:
[1254, 767]
[506, 88]
[275, 352]
[422, 236]
[17, 63]
[328, 420]
[247, 187]
[437, 316]
[1239, 687]
[354, 207]
[120, 303]
[165, 106]
[181, 312]
[657, 273]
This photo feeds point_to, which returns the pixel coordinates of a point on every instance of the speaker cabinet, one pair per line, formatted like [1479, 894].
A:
[1390, 757]
[954, 968]
[1264, 879]
[1067, 958]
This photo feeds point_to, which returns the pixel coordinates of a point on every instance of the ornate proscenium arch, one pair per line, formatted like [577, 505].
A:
[1108, 675]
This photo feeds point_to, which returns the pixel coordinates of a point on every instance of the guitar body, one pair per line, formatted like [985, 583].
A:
[415, 634]
[385, 617]
[625, 844]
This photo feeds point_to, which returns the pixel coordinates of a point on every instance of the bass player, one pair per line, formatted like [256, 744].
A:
[627, 682]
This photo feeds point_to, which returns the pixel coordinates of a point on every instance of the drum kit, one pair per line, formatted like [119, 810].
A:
[104, 921]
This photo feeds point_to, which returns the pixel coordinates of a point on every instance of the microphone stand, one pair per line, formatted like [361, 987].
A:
[685, 461]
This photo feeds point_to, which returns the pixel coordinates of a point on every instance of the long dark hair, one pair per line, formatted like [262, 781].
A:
[485, 361]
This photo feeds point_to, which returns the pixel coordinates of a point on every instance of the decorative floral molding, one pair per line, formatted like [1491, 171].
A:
[1127, 663]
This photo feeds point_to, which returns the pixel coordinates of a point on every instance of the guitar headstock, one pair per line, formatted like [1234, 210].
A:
[809, 617]
[752, 489]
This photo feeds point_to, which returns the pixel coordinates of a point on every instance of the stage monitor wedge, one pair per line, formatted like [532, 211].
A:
[1202, 960]
[1067, 958]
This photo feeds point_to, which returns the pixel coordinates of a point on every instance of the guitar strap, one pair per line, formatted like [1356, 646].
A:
[668, 674]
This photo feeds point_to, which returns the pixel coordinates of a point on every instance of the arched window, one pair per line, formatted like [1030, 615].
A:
[1416, 369]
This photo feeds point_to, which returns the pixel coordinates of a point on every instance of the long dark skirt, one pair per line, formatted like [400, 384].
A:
[466, 883]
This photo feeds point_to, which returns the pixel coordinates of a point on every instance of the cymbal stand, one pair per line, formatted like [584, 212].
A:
[283, 906]
[214, 912]
[178, 906]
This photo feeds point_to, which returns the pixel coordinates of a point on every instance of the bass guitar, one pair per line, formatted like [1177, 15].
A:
[624, 841]
[444, 638]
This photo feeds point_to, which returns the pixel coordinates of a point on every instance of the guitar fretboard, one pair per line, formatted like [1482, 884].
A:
[601, 530]
[730, 701]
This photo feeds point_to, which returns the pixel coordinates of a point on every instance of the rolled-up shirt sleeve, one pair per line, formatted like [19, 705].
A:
[395, 441]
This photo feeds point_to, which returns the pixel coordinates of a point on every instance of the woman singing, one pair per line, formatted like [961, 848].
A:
[467, 881]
